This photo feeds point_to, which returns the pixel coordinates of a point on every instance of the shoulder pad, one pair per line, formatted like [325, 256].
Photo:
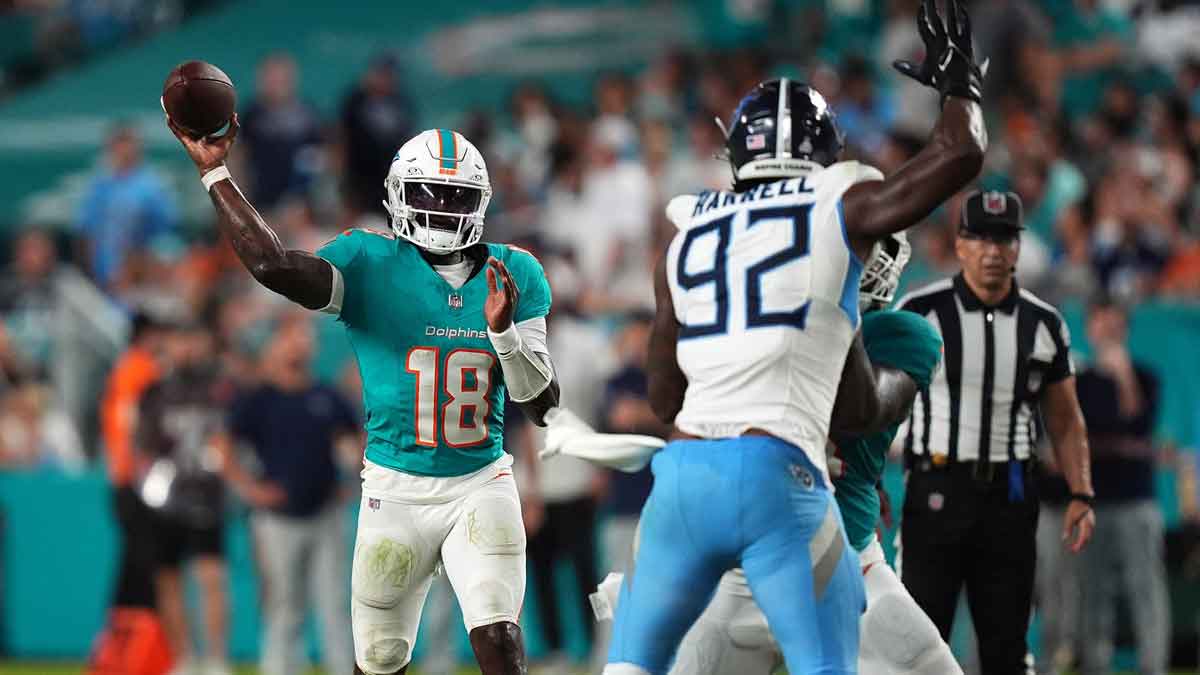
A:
[890, 323]
[839, 177]
[903, 340]
[518, 249]
[386, 234]
[520, 261]
[351, 230]
[679, 210]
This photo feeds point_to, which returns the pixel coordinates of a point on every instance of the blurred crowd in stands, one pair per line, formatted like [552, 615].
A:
[1093, 108]
[39, 37]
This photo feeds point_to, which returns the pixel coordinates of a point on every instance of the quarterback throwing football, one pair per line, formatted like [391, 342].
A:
[443, 326]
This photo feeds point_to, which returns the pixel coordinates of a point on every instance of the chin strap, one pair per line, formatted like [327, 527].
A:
[721, 126]
[526, 374]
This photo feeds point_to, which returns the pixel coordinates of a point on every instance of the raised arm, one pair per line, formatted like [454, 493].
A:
[524, 357]
[666, 381]
[297, 275]
[954, 155]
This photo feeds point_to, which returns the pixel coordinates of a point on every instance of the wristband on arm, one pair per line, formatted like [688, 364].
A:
[215, 176]
[526, 374]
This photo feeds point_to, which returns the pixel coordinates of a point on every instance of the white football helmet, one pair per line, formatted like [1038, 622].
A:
[881, 274]
[438, 191]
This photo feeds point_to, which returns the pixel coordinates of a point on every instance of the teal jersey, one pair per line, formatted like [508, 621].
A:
[900, 340]
[432, 386]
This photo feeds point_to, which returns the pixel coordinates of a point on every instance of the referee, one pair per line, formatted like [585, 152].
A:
[970, 512]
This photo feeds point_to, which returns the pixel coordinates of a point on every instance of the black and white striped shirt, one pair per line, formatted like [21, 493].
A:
[998, 360]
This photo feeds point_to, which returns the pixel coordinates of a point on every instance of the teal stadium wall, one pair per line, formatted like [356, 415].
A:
[58, 549]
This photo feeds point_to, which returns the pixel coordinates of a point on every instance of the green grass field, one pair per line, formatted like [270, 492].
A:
[58, 668]
[75, 669]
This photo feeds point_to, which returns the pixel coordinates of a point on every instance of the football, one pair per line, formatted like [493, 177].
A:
[199, 97]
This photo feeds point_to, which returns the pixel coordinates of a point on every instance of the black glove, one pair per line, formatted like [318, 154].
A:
[949, 64]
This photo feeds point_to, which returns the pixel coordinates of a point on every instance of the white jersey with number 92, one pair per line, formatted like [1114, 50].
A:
[765, 288]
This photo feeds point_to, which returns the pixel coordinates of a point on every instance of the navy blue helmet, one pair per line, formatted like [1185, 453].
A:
[781, 129]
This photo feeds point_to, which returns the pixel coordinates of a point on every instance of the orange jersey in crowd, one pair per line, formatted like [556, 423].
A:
[133, 373]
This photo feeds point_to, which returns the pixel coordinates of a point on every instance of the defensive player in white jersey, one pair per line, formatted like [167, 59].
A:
[731, 637]
[756, 314]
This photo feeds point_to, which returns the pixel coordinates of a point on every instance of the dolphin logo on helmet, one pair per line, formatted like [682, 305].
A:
[438, 191]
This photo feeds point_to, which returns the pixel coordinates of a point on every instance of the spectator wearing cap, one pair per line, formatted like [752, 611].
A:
[970, 512]
[1120, 401]
[124, 210]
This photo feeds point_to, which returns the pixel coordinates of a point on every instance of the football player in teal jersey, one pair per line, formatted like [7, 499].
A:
[443, 326]
[897, 638]
[731, 637]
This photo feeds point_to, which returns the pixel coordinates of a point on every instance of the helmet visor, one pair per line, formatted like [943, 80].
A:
[443, 203]
[443, 197]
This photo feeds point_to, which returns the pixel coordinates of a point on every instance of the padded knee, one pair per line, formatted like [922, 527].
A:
[384, 653]
[703, 650]
[489, 601]
[383, 571]
[733, 607]
[739, 646]
[898, 631]
[751, 632]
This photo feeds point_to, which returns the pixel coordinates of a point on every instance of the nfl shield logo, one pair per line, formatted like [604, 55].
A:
[936, 501]
[995, 203]
[756, 142]
[802, 476]
[373, 504]
[455, 301]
